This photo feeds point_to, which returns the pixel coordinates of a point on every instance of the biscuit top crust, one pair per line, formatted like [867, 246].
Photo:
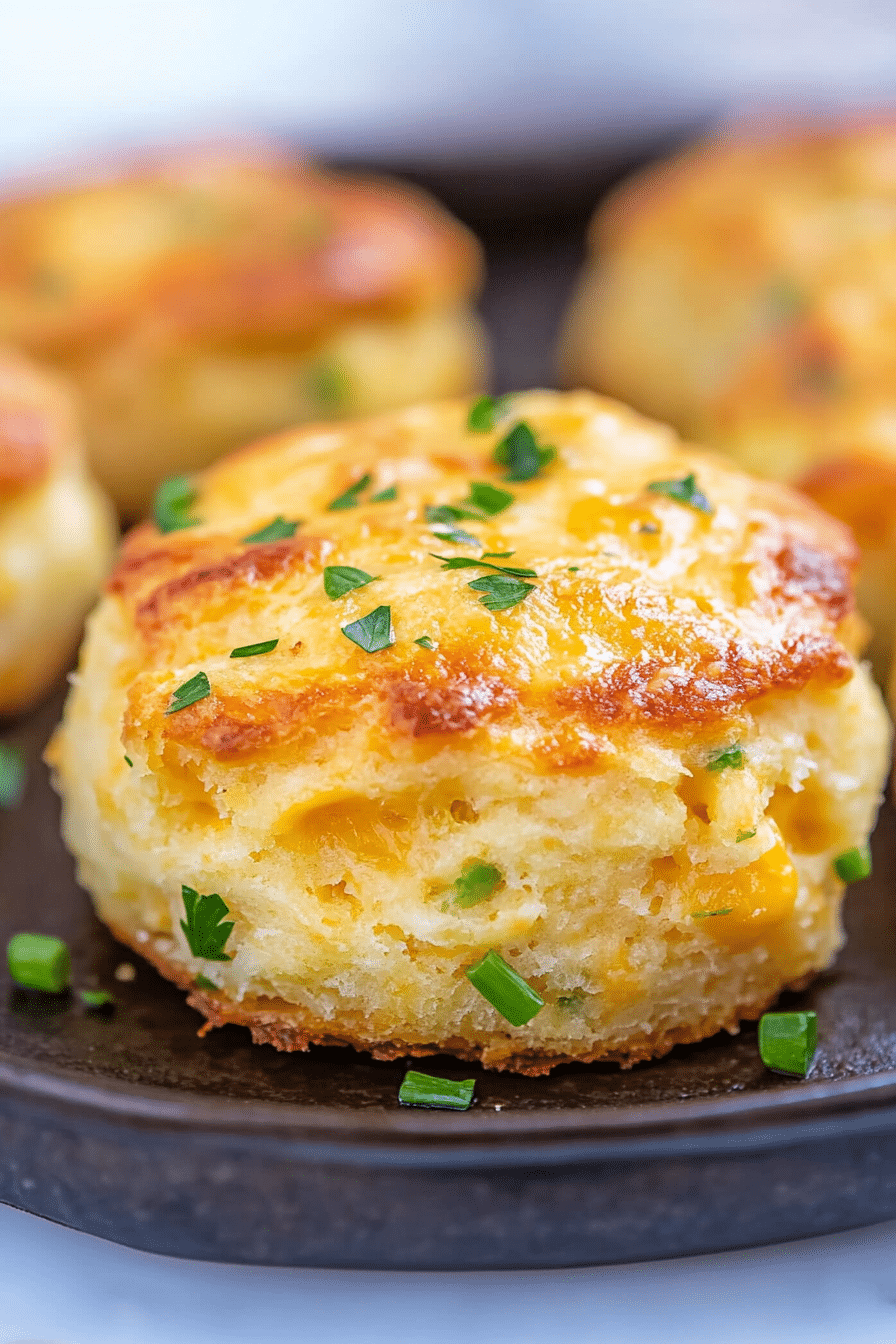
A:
[644, 613]
[36, 424]
[230, 245]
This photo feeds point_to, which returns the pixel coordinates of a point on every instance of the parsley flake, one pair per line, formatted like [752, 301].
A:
[730, 758]
[484, 412]
[252, 650]
[425, 642]
[520, 452]
[280, 529]
[684, 491]
[384, 496]
[573, 569]
[328, 386]
[442, 520]
[197, 688]
[342, 579]
[711, 914]
[501, 591]
[467, 562]
[204, 929]
[572, 1003]
[497, 555]
[744, 835]
[12, 775]
[349, 499]
[476, 883]
[203, 982]
[487, 499]
[172, 503]
[128, 761]
[372, 632]
[96, 999]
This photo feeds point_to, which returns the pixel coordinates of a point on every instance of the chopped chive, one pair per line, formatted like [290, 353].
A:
[197, 688]
[484, 413]
[442, 520]
[349, 499]
[96, 999]
[372, 632]
[853, 865]
[467, 562]
[203, 982]
[514, 999]
[281, 529]
[385, 496]
[745, 835]
[128, 761]
[12, 775]
[684, 491]
[39, 961]
[204, 929]
[444, 1094]
[476, 883]
[342, 579]
[172, 503]
[487, 499]
[520, 452]
[252, 650]
[787, 1042]
[425, 642]
[501, 591]
[729, 758]
[711, 914]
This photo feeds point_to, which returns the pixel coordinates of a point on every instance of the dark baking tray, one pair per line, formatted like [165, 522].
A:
[132, 1128]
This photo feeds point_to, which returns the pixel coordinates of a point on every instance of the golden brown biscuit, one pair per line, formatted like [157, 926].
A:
[746, 291]
[57, 533]
[658, 748]
[202, 298]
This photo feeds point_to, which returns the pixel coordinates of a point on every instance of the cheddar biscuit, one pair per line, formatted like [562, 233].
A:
[561, 690]
[202, 298]
[56, 533]
[746, 292]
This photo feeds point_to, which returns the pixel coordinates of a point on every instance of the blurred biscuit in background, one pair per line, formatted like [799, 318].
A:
[57, 533]
[203, 297]
[746, 292]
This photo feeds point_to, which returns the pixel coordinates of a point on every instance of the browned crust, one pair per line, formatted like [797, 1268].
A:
[457, 705]
[288, 1028]
[36, 423]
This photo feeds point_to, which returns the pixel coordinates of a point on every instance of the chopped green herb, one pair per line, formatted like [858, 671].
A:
[484, 413]
[12, 775]
[573, 569]
[520, 452]
[444, 1094]
[203, 928]
[279, 530]
[572, 1003]
[853, 865]
[203, 982]
[730, 758]
[684, 491]
[372, 632]
[442, 520]
[514, 999]
[467, 562]
[487, 499]
[349, 499]
[128, 761]
[497, 555]
[342, 579]
[501, 591]
[328, 386]
[476, 883]
[96, 999]
[425, 642]
[744, 835]
[787, 1042]
[384, 496]
[197, 688]
[172, 503]
[711, 914]
[252, 650]
[39, 961]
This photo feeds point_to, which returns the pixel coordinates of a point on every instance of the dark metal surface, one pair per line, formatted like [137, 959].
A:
[131, 1127]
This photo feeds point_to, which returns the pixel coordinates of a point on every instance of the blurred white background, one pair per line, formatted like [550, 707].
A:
[435, 79]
